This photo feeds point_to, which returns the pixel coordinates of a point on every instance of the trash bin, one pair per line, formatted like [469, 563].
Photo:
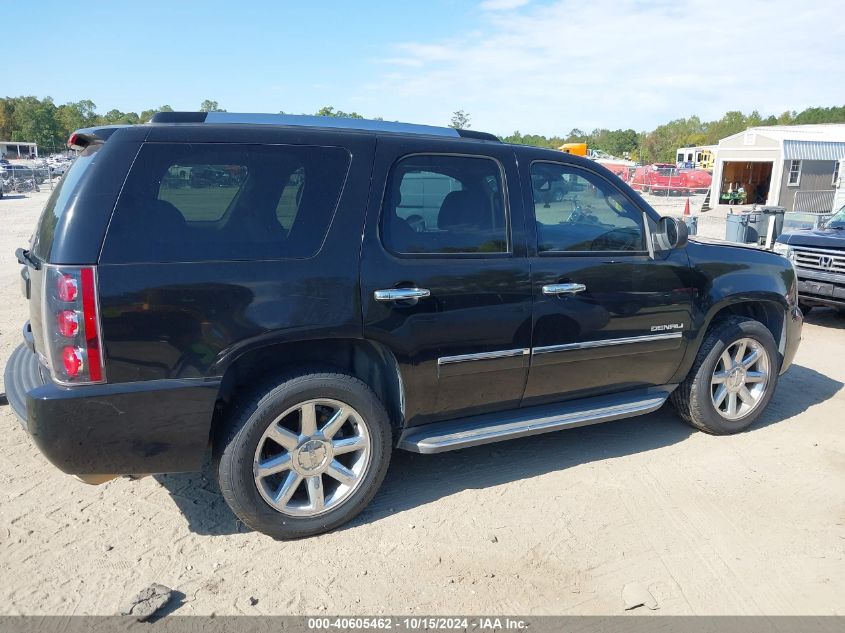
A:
[743, 227]
[771, 214]
[692, 224]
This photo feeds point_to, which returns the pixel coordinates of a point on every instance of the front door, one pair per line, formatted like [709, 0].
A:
[445, 283]
[607, 315]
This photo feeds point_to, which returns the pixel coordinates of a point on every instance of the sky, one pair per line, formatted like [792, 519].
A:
[537, 66]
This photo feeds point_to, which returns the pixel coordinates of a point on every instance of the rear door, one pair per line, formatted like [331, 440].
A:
[607, 315]
[444, 277]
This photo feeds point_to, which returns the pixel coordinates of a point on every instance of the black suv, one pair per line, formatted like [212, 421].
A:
[819, 258]
[304, 295]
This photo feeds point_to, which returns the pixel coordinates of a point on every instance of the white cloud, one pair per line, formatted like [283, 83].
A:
[502, 5]
[622, 63]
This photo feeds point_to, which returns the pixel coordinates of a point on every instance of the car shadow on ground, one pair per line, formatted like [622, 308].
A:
[826, 317]
[414, 480]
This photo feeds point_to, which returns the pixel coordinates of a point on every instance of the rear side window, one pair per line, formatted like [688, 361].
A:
[202, 193]
[441, 204]
[204, 202]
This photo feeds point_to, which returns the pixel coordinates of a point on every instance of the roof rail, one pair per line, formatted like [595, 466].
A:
[317, 121]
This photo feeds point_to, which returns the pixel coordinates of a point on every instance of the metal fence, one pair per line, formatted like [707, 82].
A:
[813, 201]
[23, 177]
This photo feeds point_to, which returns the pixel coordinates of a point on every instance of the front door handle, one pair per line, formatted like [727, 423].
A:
[563, 289]
[401, 294]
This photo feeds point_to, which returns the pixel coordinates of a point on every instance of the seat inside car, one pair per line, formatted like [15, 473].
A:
[464, 210]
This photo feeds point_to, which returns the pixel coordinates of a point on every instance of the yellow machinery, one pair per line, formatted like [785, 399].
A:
[574, 148]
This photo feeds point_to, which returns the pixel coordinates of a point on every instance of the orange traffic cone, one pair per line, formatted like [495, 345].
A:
[686, 207]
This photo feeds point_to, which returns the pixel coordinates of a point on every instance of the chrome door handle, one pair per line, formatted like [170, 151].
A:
[563, 289]
[401, 294]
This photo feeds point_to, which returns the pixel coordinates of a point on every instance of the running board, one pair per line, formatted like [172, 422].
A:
[451, 435]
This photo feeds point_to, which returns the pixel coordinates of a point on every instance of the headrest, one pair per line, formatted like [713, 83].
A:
[464, 209]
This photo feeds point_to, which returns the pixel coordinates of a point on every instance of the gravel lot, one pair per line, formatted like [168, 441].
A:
[554, 524]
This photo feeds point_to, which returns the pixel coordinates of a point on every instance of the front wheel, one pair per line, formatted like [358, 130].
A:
[304, 456]
[733, 377]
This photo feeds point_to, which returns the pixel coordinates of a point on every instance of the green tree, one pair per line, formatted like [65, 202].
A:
[330, 111]
[35, 120]
[146, 115]
[210, 106]
[116, 117]
[73, 116]
[460, 120]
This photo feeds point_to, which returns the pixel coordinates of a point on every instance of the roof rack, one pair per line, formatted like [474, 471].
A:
[317, 121]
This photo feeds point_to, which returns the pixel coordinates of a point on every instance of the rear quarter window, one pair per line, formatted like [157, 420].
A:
[59, 201]
[233, 202]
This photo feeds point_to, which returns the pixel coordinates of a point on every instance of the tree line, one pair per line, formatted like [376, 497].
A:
[42, 121]
[660, 144]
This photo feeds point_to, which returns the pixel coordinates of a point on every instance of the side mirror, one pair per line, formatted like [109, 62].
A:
[671, 233]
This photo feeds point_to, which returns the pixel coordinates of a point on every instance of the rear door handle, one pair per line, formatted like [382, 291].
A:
[401, 294]
[563, 289]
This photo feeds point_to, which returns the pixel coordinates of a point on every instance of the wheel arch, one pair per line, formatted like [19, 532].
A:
[371, 362]
[768, 308]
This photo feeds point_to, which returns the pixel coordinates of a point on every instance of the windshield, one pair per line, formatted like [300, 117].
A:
[837, 220]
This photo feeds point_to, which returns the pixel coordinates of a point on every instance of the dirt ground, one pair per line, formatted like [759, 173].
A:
[553, 524]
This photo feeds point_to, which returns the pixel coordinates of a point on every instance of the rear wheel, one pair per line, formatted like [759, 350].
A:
[732, 379]
[304, 456]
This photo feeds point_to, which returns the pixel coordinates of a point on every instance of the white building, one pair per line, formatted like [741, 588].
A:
[18, 149]
[792, 166]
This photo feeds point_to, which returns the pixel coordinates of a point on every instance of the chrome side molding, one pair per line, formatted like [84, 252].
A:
[461, 358]
[547, 349]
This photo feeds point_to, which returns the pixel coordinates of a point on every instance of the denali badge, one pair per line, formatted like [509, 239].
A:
[668, 326]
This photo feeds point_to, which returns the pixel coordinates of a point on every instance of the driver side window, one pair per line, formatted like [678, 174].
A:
[577, 210]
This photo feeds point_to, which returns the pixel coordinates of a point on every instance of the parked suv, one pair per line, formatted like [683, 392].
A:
[819, 258]
[304, 295]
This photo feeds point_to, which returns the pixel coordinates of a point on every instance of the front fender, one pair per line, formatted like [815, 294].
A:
[746, 281]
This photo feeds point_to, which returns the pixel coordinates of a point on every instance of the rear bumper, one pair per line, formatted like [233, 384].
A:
[22, 374]
[154, 426]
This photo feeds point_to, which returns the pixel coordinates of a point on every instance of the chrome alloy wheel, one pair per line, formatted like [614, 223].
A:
[312, 457]
[740, 379]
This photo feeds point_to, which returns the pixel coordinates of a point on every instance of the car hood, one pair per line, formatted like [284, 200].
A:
[820, 238]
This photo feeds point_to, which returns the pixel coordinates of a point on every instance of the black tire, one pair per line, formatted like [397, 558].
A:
[692, 399]
[805, 309]
[247, 423]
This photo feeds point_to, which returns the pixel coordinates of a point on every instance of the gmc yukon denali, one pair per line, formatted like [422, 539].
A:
[301, 296]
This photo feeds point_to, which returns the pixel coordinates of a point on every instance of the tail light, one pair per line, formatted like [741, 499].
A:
[72, 325]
